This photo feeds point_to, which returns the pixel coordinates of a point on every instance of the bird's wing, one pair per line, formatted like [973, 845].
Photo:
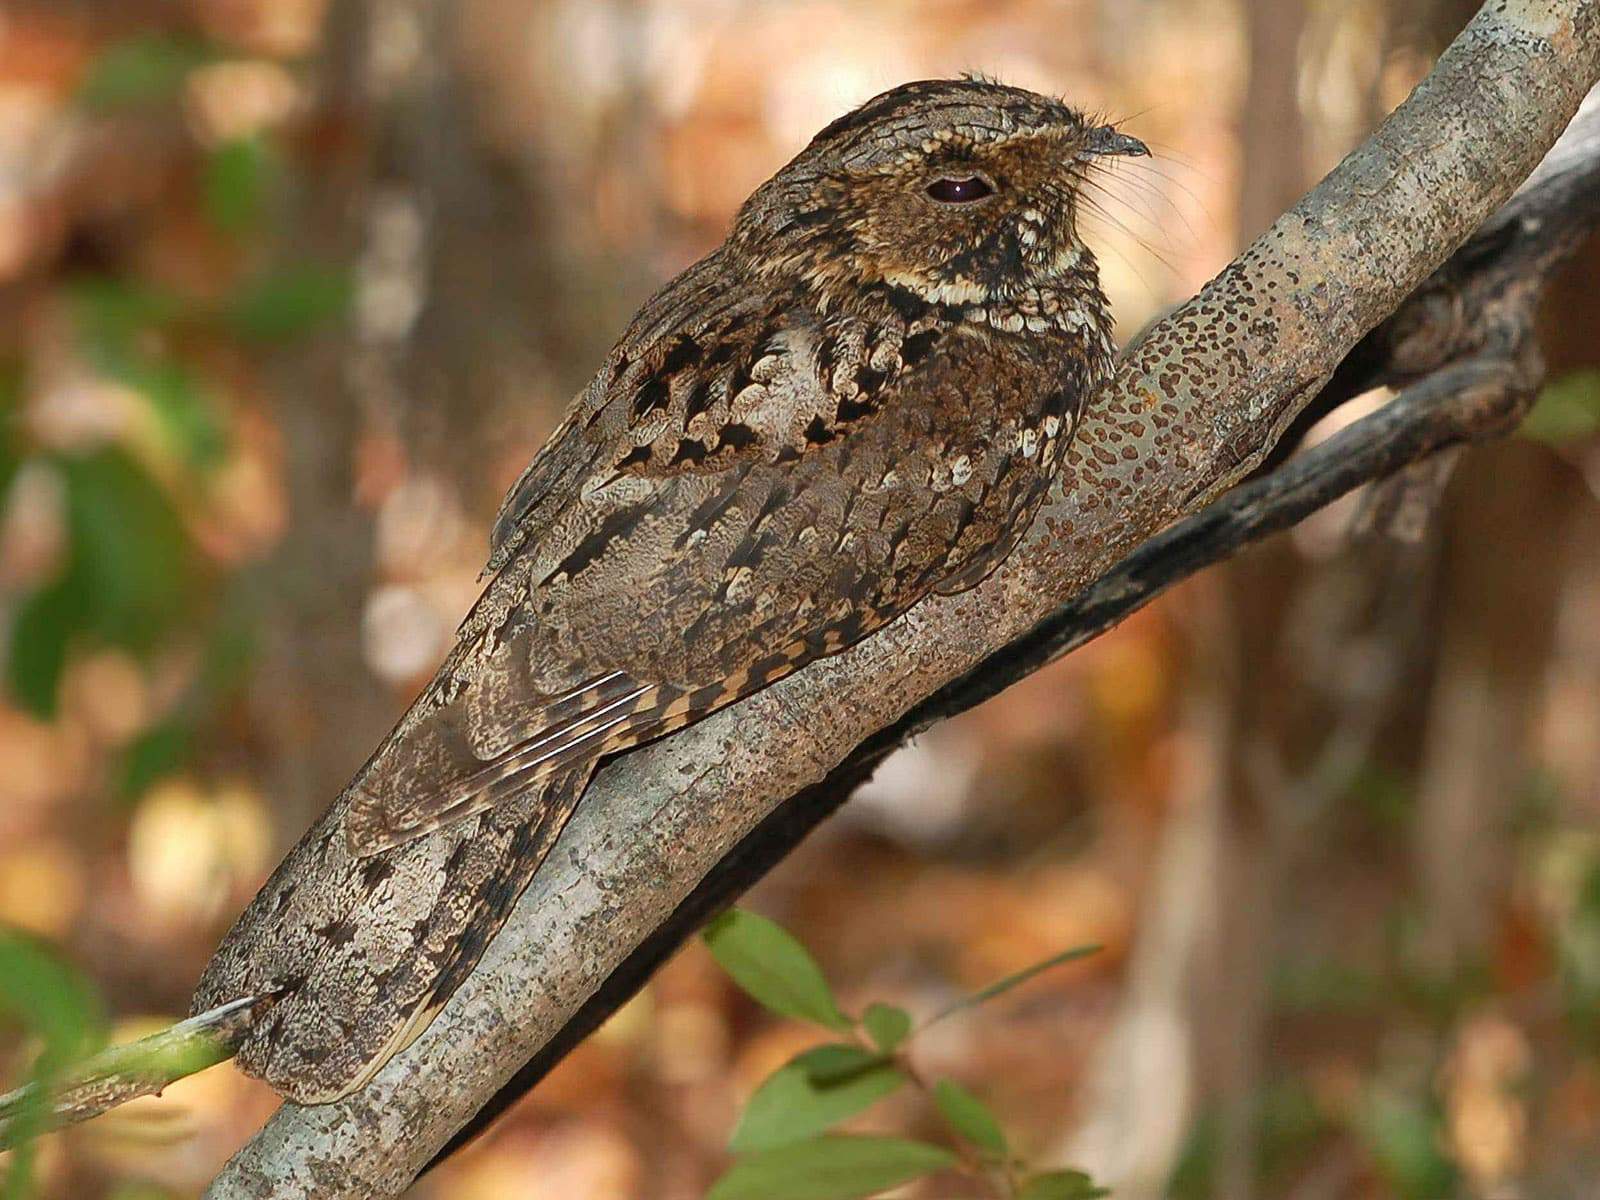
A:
[734, 496]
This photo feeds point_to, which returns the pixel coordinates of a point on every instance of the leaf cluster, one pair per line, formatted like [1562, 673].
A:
[786, 1143]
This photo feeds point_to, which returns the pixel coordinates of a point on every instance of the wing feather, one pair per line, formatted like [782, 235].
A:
[732, 498]
[538, 739]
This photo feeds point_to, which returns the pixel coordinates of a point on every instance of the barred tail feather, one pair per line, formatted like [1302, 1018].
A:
[366, 950]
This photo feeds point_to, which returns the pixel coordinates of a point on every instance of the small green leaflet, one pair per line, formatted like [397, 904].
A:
[112, 316]
[142, 70]
[288, 303]
[970, 1117]
[1060, 1185]
[48, 998]
[188, 418]
[775, 969]
[837, 1061]
[794, 1104]
[51, 1002]
[829, 1168]
[157, 752]
[1401, 1133]
[1568, 409]
[1020, 977]
[41, 627]
[887, 1026]
[239, 175]
[128, 577]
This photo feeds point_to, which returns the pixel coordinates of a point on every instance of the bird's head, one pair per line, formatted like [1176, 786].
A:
[961, 191]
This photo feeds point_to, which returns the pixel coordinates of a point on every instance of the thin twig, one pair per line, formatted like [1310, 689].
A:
[122, 1073]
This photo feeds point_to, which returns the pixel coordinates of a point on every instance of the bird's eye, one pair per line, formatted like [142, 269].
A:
[960, 191]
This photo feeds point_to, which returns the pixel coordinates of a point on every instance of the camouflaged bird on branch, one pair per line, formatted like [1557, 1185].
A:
[858, 400]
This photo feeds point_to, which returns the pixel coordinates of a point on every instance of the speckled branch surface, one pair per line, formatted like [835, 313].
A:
[1190, 411]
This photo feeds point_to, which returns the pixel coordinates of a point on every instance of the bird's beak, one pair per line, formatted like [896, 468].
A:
[1107, 141]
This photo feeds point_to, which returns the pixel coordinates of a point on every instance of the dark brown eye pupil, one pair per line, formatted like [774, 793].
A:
[959, 191]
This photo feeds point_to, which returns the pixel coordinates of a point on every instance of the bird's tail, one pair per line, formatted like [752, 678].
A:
[363, 952]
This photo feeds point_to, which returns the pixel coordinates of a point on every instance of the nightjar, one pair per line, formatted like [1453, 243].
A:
[857, 400]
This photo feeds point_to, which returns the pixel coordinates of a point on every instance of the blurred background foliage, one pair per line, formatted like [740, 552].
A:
[290, 290]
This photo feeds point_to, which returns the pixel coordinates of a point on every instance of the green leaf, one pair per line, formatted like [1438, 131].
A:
[131, 567]
[130, 575]
[1403, 1135]
[154, 754]
[288, 304]
[837, 1061]
[48, 1000]
[794, 1104]
[114, 320]
[1567, 409]
[887, 1026]
[238, 176]
[829, 1168]
[231, 646]
[187, 418]
[1578, 951]
[43, 626]
[1002, 986]
[774, 968]
[140, 1190]
[141, 70]
[1060, 1185]
[111, 313]
[12, 448]
[970, 1117]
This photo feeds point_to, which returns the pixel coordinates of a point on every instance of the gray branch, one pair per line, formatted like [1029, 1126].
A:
[1192, 409]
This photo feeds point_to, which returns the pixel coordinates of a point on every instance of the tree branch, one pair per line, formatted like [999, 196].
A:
[1462, 403]
[672, 831]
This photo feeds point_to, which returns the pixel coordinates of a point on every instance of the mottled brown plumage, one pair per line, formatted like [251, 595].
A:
[857, 400]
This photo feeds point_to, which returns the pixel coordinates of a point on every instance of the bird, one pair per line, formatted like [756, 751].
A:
[857, 401]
